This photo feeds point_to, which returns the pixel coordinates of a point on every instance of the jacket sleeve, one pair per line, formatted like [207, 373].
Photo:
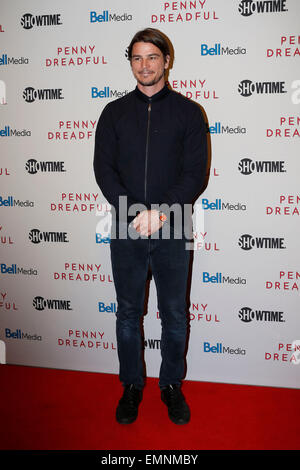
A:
[192, 176]
[105, 161]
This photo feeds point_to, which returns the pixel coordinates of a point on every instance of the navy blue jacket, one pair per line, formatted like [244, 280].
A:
[153, 150]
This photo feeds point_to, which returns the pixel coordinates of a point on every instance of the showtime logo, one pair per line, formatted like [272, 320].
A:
[185, 12]
[247, 314]
[33, 167]
[40, 304]
[218, 49]
[247, 242]
[36, 236]
[248, 7]
[30, 94]
[247, 166]
[247, 88]
[152, 343]
[28, 21]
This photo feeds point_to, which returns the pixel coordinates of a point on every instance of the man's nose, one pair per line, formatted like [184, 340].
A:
[145, 63]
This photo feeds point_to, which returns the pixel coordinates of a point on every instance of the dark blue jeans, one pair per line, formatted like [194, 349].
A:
[169, 261]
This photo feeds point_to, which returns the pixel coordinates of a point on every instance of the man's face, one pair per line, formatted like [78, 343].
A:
[148, 64]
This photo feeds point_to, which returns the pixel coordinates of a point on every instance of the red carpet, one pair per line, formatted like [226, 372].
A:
[55, 409]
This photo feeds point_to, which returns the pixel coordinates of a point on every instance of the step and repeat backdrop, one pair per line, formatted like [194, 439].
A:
[60, 64]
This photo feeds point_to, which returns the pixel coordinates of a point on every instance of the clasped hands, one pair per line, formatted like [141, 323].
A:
[147, 222]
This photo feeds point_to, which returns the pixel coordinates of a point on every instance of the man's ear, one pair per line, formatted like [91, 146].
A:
[167, 61]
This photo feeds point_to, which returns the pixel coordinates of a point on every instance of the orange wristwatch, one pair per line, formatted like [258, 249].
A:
[162, 216]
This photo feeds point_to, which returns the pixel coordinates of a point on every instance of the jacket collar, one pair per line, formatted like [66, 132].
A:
[157, 97]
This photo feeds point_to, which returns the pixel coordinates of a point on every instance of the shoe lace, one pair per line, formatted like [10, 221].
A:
[130, 396]
[175, 397]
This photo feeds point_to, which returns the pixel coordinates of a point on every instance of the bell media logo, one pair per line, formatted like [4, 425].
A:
[219, 128]
[106, 92]
[105, 17]
[8, 132]
[219, 205]
[12, 202]
[220, 349]
[14, 270]
[28, 21]
[218, 278]
[19, 334]
[247, 88]
[218, 49]
[248, 7]
[100, 239]
[5, 60]
[109, 308]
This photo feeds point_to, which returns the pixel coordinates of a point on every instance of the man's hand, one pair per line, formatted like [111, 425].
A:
[147, 222]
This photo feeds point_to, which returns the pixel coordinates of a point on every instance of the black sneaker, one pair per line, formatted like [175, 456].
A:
[127, 409]
[178, 409]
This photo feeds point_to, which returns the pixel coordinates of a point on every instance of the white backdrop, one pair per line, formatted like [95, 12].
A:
[60, 64]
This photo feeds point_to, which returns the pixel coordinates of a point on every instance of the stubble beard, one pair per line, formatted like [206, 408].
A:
[152, 82]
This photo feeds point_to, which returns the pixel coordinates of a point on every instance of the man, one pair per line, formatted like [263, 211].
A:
[150, 148]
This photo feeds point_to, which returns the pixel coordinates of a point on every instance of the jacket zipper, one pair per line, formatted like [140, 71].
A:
[147, 149]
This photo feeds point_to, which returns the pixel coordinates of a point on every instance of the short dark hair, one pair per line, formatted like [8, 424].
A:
[151, 35]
